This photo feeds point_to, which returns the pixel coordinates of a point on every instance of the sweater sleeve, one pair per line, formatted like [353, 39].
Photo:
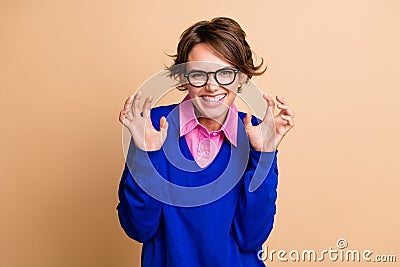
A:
[255, 210]
[139, 214]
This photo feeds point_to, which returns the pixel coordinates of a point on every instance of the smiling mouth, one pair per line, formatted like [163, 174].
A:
[213, 99]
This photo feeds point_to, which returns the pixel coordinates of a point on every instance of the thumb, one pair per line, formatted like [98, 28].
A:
[163, 126]
[163, 123]
[247, 120]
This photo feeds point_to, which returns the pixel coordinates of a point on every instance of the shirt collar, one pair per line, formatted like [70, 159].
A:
[188, 120]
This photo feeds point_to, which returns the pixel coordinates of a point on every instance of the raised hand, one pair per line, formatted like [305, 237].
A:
[269, 133]
[139, 123]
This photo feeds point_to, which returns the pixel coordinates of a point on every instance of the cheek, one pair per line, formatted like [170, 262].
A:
[193, 92]
[232, 87]
[232, 97]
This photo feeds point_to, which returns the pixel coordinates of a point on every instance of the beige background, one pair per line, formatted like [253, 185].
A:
[67, 66]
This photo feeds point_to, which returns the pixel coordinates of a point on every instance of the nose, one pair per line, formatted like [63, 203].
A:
[211, 84]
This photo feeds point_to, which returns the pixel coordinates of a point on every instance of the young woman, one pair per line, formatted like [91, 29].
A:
[213, 61]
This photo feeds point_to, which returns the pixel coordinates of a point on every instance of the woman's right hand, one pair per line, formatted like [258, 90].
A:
[139, 123]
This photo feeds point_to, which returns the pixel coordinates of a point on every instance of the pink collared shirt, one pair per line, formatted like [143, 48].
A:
[205, 145]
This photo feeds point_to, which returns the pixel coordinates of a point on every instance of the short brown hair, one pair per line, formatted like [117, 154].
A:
[225, 37]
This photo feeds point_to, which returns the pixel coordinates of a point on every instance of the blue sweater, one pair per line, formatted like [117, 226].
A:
[226, 232]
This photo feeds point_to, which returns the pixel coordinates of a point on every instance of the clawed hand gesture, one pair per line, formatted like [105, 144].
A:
[269, 133]
[138, 122]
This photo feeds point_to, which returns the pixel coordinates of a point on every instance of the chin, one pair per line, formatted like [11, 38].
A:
[216, 113]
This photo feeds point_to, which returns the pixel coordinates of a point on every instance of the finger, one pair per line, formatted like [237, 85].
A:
[270, 102]
[281, 99]
[126, 112]
[270, 108]
[121, 116]
[163, 123]
[163, 127]
[286, 109]
[128, 104]
[136, 103]
[247, 120]
[288, 119]
[146, 106]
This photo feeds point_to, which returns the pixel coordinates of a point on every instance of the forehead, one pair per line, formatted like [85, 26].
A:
[204, 66]
[202, 56]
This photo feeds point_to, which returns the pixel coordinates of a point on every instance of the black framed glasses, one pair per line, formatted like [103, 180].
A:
[199, 78]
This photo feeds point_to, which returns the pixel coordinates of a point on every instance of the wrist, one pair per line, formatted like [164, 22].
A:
[147, 147]
[265, 148]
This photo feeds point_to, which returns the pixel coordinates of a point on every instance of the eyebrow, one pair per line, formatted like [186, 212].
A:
[189, 70]
[224, 68]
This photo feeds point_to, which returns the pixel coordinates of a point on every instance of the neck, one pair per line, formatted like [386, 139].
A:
[210, 124]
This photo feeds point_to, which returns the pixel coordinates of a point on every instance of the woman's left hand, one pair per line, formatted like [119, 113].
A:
[269, 133]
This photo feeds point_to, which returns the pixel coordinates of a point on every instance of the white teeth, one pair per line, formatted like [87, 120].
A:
[213, 99]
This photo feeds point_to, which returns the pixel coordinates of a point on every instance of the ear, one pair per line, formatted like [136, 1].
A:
[243, 78]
